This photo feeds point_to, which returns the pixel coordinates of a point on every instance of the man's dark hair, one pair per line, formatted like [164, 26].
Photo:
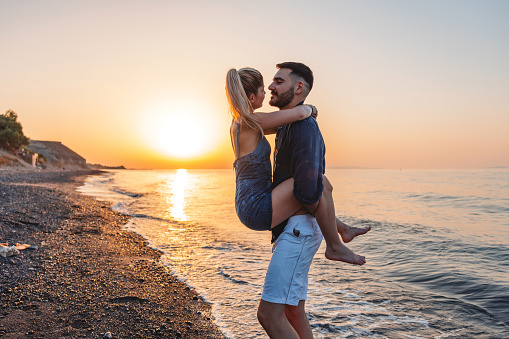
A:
[300, 70]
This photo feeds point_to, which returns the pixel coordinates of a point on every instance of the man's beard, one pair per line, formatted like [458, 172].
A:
[282, 100]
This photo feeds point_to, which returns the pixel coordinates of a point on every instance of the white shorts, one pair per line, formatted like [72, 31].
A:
[286, 281]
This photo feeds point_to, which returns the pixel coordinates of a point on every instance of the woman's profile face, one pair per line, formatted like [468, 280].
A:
[259, 97]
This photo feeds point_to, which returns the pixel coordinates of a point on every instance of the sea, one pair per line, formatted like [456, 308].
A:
[437, 254]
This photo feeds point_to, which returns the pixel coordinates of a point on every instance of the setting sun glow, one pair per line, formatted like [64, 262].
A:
[180, 131]
[177, 200]
[398, 84]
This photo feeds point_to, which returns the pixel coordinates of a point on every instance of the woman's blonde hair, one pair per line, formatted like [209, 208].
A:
[239, 86]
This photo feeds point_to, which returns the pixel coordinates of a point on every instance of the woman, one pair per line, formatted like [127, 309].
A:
[258, 205]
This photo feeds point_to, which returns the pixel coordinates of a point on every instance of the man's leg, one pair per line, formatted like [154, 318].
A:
[273, 319]
[297, 317]
[287, 277]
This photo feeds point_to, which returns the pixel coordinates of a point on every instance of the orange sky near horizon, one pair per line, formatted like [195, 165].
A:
[398, 84]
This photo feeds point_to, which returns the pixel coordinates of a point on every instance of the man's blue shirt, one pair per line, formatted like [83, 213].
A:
[300, 153]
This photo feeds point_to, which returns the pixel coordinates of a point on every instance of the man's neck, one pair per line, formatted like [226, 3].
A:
[294, 103]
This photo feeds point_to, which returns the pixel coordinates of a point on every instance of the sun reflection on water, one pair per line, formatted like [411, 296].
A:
[177, 200]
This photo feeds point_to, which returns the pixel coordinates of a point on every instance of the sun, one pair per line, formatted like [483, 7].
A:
[180, 130]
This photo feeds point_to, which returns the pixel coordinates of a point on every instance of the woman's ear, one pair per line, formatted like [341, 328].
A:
[252, 98]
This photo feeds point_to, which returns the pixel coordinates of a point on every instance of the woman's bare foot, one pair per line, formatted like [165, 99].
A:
[343, 253]
[348, 233]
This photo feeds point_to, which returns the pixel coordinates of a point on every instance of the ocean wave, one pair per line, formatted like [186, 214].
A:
[129, 194]
[343, 330]
[443, 262]
[230, 247]
[121, 207]
[217, 248]
[151, 217]
[478, 203]
[434, 196]
[229, 277]
[462, 283]
[124, 208]
[491, 208]
[106, 180]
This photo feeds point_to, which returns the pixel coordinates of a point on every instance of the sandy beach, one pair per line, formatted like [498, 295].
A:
[88, 276]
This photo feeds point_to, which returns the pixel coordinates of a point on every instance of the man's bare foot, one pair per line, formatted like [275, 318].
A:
[343, 253]
[349, 232]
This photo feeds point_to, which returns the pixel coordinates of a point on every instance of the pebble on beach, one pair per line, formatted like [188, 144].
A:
[84, 274]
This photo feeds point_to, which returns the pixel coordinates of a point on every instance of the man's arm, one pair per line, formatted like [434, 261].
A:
[307, 162]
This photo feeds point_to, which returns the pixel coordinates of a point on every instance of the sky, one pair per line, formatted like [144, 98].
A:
[398, 84]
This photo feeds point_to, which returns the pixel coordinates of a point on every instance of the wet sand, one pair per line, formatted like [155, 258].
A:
[88, 277]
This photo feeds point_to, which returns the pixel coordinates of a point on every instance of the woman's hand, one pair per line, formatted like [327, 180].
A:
[314, 111]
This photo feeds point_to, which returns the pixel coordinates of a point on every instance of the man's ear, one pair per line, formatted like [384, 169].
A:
[299, 88]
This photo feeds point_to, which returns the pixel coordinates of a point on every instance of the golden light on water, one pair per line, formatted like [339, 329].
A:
[180, 130]
[177, 199]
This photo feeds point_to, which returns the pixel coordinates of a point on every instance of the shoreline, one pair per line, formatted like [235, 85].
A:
[89, 276]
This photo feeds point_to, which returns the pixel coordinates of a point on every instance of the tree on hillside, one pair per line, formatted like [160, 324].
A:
[11, 132]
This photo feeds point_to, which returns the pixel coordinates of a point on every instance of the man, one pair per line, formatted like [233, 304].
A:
[299, 153]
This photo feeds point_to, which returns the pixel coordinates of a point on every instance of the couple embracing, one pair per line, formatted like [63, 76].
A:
[295, 201]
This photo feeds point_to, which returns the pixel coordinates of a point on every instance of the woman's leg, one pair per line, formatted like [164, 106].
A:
[284, 205]
[326, 218]
[349, 232]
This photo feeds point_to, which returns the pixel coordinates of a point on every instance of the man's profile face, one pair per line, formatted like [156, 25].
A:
[281, 89]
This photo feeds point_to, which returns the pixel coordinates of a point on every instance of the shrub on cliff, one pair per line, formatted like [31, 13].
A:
[11, 132]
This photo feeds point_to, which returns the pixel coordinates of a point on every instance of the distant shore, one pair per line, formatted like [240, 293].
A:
[88, 275]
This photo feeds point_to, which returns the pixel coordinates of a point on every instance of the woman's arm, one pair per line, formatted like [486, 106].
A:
[270, 121]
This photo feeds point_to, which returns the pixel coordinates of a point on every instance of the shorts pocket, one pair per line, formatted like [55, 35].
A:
[295, 234]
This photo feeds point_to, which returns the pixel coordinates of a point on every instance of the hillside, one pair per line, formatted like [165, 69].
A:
[53, 155]
[11, 161]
